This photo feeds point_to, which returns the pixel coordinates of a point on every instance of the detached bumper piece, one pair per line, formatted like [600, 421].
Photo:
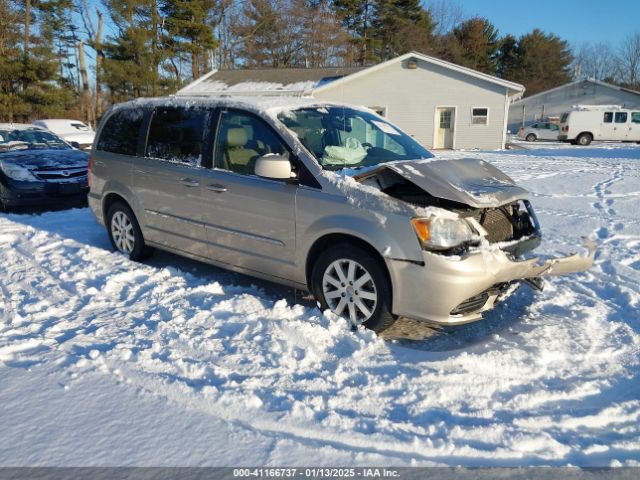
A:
[530, 269]
[532, 275]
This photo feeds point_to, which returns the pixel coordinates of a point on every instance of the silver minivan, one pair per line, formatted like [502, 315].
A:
[319, 196]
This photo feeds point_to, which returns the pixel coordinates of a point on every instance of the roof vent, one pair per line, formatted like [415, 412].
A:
[412, 64]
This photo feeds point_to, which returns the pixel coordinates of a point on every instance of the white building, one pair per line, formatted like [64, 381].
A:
[441, 104]
[553, 103]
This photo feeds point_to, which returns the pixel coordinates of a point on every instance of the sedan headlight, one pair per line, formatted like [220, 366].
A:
[441, 233]
[17, 172]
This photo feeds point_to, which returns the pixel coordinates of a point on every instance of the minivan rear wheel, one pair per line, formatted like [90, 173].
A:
[124, 232]
[353, 284]
[531, 138]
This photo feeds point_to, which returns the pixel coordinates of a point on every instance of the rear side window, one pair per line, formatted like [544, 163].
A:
[608, 117]
[621, 117]
[120, 133]
[635, 117]
[178, 134]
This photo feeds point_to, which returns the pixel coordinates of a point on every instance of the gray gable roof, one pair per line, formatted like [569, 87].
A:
[297, 81]
[575, 83]
[266, 80]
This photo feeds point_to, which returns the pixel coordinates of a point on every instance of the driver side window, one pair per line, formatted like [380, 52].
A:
[241, 139]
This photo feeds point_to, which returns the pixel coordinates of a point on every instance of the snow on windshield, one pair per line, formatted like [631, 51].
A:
[32, 138]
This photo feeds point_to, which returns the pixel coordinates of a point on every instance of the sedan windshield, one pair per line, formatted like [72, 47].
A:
[341, 137]
[30, 139]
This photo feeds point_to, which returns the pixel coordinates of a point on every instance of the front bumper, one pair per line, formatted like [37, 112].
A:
[433, 292]
[17, 193]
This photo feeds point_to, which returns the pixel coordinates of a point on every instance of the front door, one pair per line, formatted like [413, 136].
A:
[621, 126]
[606, 127]
[445, 123]
[249, 220]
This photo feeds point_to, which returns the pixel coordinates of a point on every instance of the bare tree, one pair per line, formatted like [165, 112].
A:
[446, 15]
[629, 60]
[595, 60]
[93, 29]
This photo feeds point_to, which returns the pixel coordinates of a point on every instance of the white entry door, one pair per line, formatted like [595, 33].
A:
[445, 123]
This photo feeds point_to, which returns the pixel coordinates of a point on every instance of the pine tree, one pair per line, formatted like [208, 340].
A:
[543, 62]
[402, 26]
[474, 44]
[189, 29]
[11, 104]
[134, 56]
[30, 82]
[358, 18]
[507, 60]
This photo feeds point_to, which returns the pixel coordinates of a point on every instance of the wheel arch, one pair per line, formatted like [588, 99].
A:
[586, 132]
[111, 198]
[331, 239]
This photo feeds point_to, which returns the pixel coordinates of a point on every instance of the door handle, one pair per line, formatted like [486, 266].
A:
[189, 182]
[217, 188]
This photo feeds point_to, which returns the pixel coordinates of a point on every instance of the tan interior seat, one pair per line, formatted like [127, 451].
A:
[239, 158]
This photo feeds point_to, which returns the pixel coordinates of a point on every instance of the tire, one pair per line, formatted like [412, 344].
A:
[124, 232]
[531, 138]
[3, 207]
[584, 139]
[350, 300]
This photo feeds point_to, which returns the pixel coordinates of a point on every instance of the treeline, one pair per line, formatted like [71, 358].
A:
[73, 58]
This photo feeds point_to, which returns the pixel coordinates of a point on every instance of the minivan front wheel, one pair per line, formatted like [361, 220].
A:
[352, 284]
[124, 232]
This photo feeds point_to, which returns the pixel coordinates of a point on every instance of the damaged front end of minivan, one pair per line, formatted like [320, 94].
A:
[477, 229]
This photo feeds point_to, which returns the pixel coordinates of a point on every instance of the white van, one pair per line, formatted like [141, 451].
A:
[586, 123]
[75, 132]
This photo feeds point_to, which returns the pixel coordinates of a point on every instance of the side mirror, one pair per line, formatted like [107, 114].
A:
[277, 167]
[75, 145]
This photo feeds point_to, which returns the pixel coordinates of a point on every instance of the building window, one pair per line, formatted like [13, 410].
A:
[479, 116]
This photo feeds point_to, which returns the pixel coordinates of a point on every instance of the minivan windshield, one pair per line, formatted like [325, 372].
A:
[30, 139]
[342, 137]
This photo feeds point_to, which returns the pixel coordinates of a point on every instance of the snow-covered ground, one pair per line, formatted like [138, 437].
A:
[108, 362]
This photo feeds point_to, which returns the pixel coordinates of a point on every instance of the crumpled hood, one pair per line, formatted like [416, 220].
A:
[466, 180]
[37, 159]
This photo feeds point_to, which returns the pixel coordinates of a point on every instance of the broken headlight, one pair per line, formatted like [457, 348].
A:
[442, 233]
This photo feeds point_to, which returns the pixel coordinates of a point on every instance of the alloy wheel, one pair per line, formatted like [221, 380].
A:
[349, 290]
[122, 232]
